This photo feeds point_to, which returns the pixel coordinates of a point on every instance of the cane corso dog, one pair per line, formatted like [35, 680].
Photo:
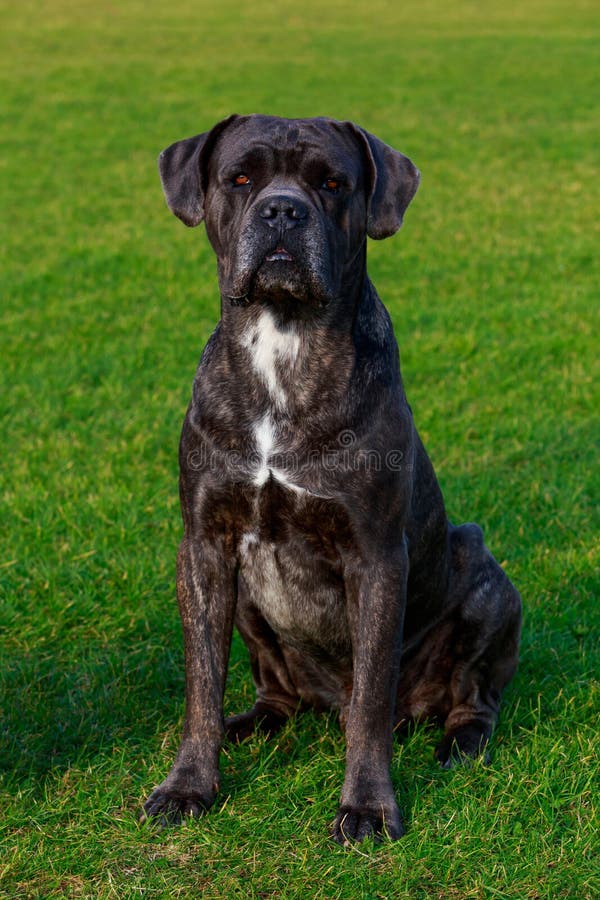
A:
[312, 516]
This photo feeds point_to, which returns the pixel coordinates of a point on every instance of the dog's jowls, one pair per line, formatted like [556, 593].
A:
[312, 516]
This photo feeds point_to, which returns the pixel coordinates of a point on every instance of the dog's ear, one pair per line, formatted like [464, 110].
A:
[394, 182]
[182, 168]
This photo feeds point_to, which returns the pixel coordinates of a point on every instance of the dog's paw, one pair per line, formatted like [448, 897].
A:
[185, 793]
[355, 823]
[462, 745]
[260, 718]
[165, 807]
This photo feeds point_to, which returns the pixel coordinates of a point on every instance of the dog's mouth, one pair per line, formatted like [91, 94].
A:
[274, 274]
[280, 254]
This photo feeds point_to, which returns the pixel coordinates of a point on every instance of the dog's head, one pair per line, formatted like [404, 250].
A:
[287, 202]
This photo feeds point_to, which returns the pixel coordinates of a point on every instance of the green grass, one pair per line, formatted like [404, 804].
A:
[106, 303]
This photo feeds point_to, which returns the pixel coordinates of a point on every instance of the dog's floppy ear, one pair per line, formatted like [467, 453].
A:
[394, 182]
[182, 168]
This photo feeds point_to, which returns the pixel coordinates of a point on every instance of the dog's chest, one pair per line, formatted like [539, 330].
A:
[298, 593]
[289, 562]
[276, 498]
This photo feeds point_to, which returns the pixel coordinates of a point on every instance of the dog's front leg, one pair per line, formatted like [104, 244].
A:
[206, 591]
[376, 602]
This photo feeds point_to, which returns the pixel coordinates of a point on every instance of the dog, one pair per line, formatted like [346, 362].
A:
[312, 516]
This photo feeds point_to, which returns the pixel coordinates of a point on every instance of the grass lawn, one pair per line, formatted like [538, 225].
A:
[106, 302]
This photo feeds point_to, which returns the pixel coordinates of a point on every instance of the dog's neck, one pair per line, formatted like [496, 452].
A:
[286, 361]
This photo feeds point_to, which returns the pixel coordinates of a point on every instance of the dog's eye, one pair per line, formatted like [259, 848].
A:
[331, 184]
[241, 180]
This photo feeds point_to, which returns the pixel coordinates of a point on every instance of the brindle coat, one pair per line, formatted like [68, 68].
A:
[312, 515]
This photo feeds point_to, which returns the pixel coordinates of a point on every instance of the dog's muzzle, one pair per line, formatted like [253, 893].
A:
[283, 212]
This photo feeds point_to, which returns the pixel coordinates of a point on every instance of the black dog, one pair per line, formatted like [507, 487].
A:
[312, 515]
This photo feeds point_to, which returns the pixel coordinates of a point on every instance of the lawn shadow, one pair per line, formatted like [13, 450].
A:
[67, 704]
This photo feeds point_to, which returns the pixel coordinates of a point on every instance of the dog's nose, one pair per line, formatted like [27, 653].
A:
[282, 211]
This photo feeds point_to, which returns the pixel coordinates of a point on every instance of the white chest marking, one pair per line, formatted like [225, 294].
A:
[268, 345]
[265, 438]
[248, 543]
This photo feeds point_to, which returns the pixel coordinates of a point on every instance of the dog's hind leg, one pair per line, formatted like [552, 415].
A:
[485, 641]
[276, 696]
